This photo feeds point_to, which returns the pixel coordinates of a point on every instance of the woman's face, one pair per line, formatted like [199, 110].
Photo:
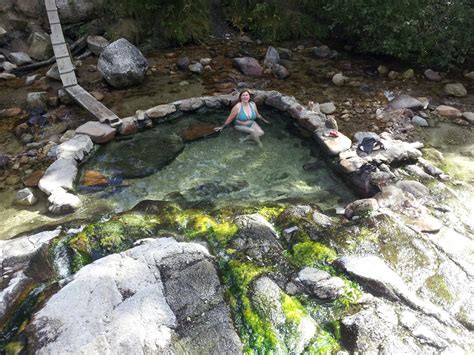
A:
[245, 97]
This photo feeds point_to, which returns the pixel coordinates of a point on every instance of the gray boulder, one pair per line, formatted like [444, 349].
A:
[405, 101]
[122, 64]
[25, 197]
[332, 145]
[257, 239]
[61, 173]
[455, 89]
[39, 46]
[98, 132]
[248, 66]
[320, 284]
[272, 57]
[162, 297]
[280, 71]
[322, 51]
[76, 148]
[419, 121]
[37, 101]
[74, 11]
[97, 44]
[20, 58]
[432, 75]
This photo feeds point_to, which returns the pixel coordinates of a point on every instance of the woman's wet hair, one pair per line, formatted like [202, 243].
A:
[244, 91]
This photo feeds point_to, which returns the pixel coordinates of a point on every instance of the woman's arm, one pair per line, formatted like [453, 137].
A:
[258, 113]
[233, 113]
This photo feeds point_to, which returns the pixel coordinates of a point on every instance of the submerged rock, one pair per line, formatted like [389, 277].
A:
[197, 131]
[162, 296]
[122, 64]
[140, 156]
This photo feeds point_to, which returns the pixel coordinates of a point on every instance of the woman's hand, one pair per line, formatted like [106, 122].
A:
[218, 129]
[264, 120]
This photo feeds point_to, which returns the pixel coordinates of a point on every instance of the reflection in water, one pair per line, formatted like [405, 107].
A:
[218, 171]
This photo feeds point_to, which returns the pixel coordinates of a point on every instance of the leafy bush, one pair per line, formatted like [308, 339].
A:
[429, 32]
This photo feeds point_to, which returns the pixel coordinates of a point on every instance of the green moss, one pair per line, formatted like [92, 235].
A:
[270, 213]
[325, 343]
[311, 254]
[256, 332]
[437, 285]
[81, 249]
[293, 309]
[351, 295]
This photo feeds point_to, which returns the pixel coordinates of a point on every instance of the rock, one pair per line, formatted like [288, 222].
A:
[419, 121]
[285, 53]
[53, 72]
[8, 67]
[190, 105]
[272, 57]
[25, 197]
[94, 178]
[197, 131]
[61, 173]
[4, 160]
[31, 79]
[98, 132]
[205, 61]
[321, 219]
[351, 165]
[417, 172]
[26, 138]
[37, 101]
[161, 111]
[322, 51]
[245, 39]
[395, 151]
[17, 270]
[382, 70]
[122, 64]
[129, 126]
[33, 179]
[327, 108]
[405, 101]
[139, 157]
[408, 74]
[416, 188]
[162, 296]
[248, 66]
[469, 116]
[455, 89]
[62, 202]
[332, 145]
[76, 148]
[339, 79]
[266, 298]
[196, 68]
[393, 75]
[280, 71]
[361, 207]
[469, 75]
[10, 112]
[96, 44]
[7, 76]
[448, 111]
[39, 46]
[257, 239]
[432, 75]
[378, 278]
[64, 97]
[21, 58]
[320, 284]
[183, 63]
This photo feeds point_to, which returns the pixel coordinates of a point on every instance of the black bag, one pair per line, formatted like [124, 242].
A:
[369, 144]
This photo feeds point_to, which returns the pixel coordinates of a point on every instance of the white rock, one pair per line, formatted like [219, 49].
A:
[21, 58]
[339, 79]
[75, 148]
[61, 173]
[161, 111]
[62, 202]
[8, 67]
[205, 61]
[327, 108]
[25, 197]
[469, 116]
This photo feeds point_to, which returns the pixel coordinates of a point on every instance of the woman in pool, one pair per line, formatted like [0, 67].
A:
[244, 114]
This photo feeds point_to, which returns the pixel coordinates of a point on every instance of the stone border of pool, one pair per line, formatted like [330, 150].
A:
[365, 174]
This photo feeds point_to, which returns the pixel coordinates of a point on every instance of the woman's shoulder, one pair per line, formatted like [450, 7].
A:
[237, 105]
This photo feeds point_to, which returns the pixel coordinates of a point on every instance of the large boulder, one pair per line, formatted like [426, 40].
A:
[249, 66]
[122, 64]
[73, 11]
[39, 46]
[159, 297]
[61, 173]
[332, 145]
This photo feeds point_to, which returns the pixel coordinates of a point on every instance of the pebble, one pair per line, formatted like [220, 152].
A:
[327, 108]
[419, 121]
[469, 116]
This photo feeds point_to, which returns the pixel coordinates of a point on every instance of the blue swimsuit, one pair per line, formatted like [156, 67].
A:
[242, 116]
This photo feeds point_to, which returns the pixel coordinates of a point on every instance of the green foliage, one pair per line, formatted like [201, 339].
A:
[271, 20]
[293, 309]
[429, 32]
[176, 21]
